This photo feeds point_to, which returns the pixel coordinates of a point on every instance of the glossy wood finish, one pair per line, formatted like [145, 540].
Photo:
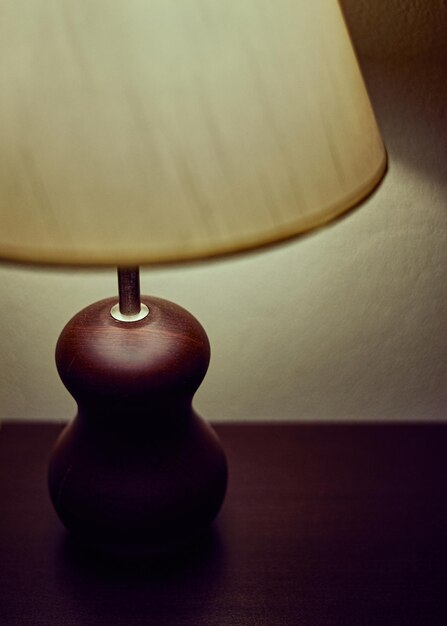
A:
[323, 525]
[137, 471]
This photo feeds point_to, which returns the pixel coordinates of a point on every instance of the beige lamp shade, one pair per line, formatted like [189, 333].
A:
[157, 131]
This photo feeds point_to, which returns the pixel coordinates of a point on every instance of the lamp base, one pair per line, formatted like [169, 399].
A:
[137, 472]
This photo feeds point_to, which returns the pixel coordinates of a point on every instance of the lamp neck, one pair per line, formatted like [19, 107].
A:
[130, 307]
[129, 290]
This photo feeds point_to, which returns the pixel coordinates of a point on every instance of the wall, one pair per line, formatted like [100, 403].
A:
[347, 323]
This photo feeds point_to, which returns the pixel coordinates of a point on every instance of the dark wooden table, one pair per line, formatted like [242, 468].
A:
[322, 525]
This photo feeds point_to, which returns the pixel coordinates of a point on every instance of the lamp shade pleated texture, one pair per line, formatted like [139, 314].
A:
[160, 131]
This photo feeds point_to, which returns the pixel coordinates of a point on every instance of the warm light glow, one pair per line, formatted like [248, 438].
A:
[160, 130]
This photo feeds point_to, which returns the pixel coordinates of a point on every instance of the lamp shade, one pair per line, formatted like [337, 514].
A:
[158, 131]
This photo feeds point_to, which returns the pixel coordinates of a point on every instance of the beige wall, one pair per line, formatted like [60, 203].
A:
[348, 323]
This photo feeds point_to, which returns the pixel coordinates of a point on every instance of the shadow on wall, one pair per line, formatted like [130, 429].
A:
[403, 52]
[398, 31]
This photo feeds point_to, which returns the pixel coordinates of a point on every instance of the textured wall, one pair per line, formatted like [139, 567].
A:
[398, 31]
[348, 323]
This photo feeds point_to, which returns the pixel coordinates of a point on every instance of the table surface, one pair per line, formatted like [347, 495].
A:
[322, 525]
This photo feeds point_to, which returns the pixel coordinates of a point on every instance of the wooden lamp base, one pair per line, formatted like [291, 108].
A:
[137, 472]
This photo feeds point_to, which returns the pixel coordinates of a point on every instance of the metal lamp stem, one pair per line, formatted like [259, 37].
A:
[130, 307]
[129, 290]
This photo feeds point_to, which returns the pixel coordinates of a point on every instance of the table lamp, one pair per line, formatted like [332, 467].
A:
[153, 132]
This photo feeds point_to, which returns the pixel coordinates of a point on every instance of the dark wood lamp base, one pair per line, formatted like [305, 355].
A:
[137, 472]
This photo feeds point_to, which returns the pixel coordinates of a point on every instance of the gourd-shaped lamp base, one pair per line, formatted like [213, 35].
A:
[137, 472]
